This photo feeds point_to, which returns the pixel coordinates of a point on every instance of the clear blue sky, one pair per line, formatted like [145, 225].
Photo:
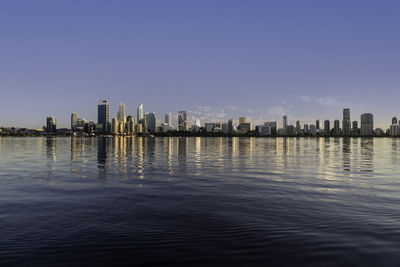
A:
[216, 59]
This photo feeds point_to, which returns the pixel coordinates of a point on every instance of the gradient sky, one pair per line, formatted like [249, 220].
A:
[216, 59]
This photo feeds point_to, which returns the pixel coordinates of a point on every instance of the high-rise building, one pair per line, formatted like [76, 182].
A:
[168, 119]
[103, 112]
[151, 122]
[74, 119]
[355, 126]
[285, 121]
[140, 113]
[197, 123]
[230, 126]
[273, 125]
[336, 127]
[327, 128]
[346, 123]
[121, 113]
[298, 127]
[394, 120]
[317, 125]
[51, 125]
[242, 120]
[115, 126]
[367, 124]
[182, 121]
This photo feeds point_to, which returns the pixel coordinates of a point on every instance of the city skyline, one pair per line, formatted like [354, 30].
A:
[219, 60]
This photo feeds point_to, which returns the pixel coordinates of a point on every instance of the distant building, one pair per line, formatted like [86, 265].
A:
[394, 130]
[285, 121]
[313, 130]
[346, 123]
[225, 128]
[242, 120]
[245, 128]
[317, 125]
[273, 125]
[139, 113]
[115, 126]
[209, 126]
[367, 124]
[306, 129]
[298, 127]
[327, 128]
[139, 128]
[168, 119]
[290, 130]
[197, 123]
[103, 112]
[230, 126]
[151, 122]
[130, 125]
[51, 125]
[394, 120]
[74, 118]
[266, 130]
[182, 121]
[336, 128]
[121, 113]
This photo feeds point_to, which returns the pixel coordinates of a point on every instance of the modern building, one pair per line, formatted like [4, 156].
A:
[367, 124]
[168, 119]
[327, 128]
[273, 125]
[298, 127]
[230, 126]
[285, 121]
[225, 128]
[151, 122]
[51, 125]
[245, 128]
[306, 129]
[115, 126]
[317, 125]
[182, 121]
[103, 112]
[336, 128]
[394, 120]
[139, 113]
[74, 119]
[130, 125]
[394, 130]
[121, 113]
[197, 123]
[346, 122]
[242, 120]
[209, 126]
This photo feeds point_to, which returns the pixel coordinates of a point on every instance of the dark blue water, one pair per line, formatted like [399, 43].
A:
[199, 201]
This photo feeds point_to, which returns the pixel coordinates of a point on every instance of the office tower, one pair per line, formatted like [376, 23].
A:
[245, 127]
[298, 127]
[273, 125]
[145, 122]
[317, 124]
[51, 125]
[151, 122]
[103, 112]
[140, 113]
[182, 120]
[367, 124]
[115, 126]
[313, 130]
[346, 123]
[121, 113]
[230, 126]
[225, 128]
[355, 126]
[197, 123]
[168, 119]
[130, 125]
[242, 120]
[336, 127]
[74, 119]
[306, 129]
[394, 120]
[290, 130]
[327, 128]
[394, 130]
[285, 121]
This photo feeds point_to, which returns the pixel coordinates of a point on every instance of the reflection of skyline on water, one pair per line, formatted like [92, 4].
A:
[134, 156]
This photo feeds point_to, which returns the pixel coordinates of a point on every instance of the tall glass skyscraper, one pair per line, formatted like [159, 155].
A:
[140, 113]
[103, 112]
[346, 123]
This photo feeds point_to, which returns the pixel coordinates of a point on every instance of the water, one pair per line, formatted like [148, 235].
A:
[199, 201]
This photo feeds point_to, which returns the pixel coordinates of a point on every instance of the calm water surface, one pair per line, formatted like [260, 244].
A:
[199, 201]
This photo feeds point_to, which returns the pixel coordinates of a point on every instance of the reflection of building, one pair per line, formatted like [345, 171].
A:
[51, 125]
[367, 124]
[182, 120]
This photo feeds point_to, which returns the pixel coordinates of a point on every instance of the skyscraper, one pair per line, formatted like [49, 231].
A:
[182, 120]
[285, 121]
[317, 124]
[242, 120]
[121, 113]
[140, 113]
[74, 119]
[103, 112]
[51, 125]
[367, 124]
[336, 127]
[346, 123]
[327, 128]
[168, 119]
[394, 120]
[151, 122]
